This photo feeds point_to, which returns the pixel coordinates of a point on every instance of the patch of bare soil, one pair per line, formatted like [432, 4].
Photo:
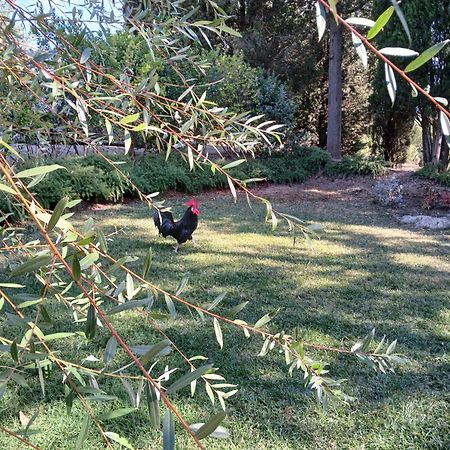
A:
[419, 196]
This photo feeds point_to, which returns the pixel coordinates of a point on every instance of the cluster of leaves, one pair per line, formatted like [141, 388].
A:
[358, 165]
[429, 172]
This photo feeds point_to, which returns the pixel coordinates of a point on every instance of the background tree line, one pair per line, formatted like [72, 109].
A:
[278, 68]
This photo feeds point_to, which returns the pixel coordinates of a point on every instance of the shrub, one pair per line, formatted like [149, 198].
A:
[430, 173]
[389, 192]
[92, 179]
[358, 165]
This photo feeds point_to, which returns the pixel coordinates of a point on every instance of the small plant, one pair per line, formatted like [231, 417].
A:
[429, 198]
[389, 193]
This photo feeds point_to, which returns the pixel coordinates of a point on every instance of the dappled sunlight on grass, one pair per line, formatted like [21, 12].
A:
[363, 272]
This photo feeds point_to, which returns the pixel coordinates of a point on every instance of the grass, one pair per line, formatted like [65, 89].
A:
[364, 272]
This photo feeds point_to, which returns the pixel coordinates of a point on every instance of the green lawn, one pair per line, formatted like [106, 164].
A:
[364, 272]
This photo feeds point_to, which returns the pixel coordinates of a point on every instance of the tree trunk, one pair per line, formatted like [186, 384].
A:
[334, 129]
[437, 145]
[444, 155]
[426, 139]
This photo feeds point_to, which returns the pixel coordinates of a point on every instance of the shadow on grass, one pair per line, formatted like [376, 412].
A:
[365, 272]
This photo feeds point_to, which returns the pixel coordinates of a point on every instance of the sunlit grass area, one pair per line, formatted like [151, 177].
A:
[364, 272]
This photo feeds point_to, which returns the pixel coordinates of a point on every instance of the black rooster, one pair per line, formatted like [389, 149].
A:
[182, 229]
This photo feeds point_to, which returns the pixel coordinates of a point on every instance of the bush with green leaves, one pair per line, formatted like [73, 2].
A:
[358, 165]
[429, 172]
[91, 178]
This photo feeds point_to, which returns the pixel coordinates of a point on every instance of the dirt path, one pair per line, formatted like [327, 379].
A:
[359, 190]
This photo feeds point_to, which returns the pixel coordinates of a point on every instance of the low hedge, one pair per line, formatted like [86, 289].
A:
[92, 179]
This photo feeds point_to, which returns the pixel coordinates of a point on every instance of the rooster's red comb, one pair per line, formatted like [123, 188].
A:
[192, 202]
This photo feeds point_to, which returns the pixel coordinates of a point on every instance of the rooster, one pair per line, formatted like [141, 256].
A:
[182, 229]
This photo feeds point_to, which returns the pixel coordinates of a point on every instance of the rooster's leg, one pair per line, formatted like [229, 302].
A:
[176, 248]
[195, 243]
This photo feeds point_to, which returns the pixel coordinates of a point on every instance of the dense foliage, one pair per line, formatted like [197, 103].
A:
[429, 172]
[91, 178]
[393, 123]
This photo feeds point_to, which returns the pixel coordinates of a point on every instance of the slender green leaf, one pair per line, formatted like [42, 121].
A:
[36, 180]
[102, 240]
[211, 426]
[183, 284]
[32, 265]
[445, 125]
[236, 309]
[360, 49]
[147, 262]
[333, 4]
[127, 141]
[120, 262]
[83, 432]
[91, 323]
[425, 56]
[132, 304]
[153, 405]
[110, 350]
[442, 100]
[232, 188]
[321, 19]
[88, 260]
[264, 319]
[229, 30]
[398, 51]
[360, 21]
[141, 350]
[119, 439]
[141, 127]
[187, 379]
[57, 213]
[391, 82]
[57, 336]
[232, 164]
[28, 173]
[76, 268]
[109, 130]
[219, 433]
[17, 378]
[382, 20]
[7, 189]
[218, 332]
[85, 55]
[116, 413]
[170, 306]
[168, 431]
[190, 158]
[14, 353]
[130, 118]
[9, 148]
[217, 300]
[130, 286]
[130, 391]
[155, 351]
[403, 21]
